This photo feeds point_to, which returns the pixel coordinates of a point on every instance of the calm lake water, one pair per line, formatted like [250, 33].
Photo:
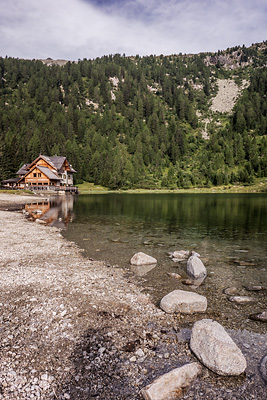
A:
[229, 231]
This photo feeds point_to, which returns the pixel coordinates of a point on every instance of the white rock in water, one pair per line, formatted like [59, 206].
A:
[142, 259]
[183, 302]
[215, 349]
[195, 267]
[170, 386]
[242, 299]
[180, 254]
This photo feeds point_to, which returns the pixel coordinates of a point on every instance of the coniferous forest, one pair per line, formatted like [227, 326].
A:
[138, 122]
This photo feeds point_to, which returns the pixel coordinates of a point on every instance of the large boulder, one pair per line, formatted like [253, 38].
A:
[142, 259]
[171, 385]
[183, 302]
[196, 268]
[215, 349]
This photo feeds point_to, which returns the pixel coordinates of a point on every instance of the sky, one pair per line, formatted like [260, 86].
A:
[77, 29]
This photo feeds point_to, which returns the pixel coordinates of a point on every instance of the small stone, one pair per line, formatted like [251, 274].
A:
[133, 359]
[255, 288]
[174, 275]
[102, 350]
[242, 299]
[142, 259]
[179, 255]
[139, 353]
[262, 316]
[170, 386]
[230, 290]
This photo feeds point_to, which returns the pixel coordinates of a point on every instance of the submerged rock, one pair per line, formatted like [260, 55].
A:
[183, 302]
[174, 275]
[262, 316]
[179, 255]
[142, 259]
[242, 299]
[255, 288]
[215, 349]
[196, 268]
[230, 290]
[171, 385]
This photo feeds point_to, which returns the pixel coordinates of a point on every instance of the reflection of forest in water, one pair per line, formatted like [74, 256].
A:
[57, 211]
[224, 215]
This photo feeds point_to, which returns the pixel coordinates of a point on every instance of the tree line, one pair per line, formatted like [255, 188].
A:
[129, 122]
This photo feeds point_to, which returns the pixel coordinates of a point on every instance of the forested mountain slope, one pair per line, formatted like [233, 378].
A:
[151, 122]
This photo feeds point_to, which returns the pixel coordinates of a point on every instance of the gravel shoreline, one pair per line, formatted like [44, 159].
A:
[74, 328]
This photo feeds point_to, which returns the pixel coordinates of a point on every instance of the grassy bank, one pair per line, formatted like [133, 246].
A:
[259, 186]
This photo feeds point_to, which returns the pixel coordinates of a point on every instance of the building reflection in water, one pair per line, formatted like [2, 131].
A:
[57, 211]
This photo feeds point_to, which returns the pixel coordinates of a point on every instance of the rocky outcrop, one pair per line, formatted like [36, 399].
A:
[171, 385]
[196, 268]
[215, 349]
[183, 302]
[142, 259]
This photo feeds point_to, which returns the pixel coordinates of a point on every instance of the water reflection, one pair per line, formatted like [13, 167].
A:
[58, 211]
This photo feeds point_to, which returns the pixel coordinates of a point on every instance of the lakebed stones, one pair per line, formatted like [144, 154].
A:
[215, 349]
[183, 302]
[196, 268]
[262, 316]
[171, 385]
[142, 259]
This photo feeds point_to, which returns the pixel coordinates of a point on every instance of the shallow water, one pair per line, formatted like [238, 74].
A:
[229, 231]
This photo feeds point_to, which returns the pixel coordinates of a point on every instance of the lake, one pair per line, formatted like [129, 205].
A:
[229, 231]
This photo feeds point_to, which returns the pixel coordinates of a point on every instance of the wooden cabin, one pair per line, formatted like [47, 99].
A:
[44, 172]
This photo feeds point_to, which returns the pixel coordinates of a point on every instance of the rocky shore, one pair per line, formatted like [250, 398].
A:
[74, 328]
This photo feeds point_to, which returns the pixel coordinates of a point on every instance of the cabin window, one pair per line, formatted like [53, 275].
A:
[34, 175]
[39, 184]
[39, 175]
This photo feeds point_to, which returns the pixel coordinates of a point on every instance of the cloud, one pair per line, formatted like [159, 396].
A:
[73, 29]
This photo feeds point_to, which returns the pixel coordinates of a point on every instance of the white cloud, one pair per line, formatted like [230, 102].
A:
[75, 29]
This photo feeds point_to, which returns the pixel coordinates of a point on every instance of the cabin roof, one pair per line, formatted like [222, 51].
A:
[23, 170]
[12, 180]
[50, 174]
